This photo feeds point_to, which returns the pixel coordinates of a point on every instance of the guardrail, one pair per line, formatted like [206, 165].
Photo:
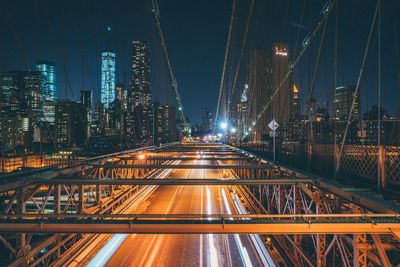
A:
[59, 166]
[357, 161]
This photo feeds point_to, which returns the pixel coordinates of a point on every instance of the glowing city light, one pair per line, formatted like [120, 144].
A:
[281, 52]
[224, 125]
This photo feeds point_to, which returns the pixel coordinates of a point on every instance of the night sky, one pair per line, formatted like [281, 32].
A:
[195, 33]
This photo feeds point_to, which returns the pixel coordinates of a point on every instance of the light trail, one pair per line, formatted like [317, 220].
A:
[255, 239]
[244, 255]
[213, 255]
[107, 251]
[104, 255]
[258, 244]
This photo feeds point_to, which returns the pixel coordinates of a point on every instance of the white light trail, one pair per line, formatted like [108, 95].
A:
[243, 251]
[107, 251]
[258, 244]
[213, 251]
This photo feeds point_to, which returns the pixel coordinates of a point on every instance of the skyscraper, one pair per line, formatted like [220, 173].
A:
[48, 71]
[49, 90]
[296, 103]
[164, 124]
[343, 100]
[107, 77]
[86, 101]
[141, 90]
[21, 103]
[206, 120]
[70, 124]
[139, 126]
[266, 70]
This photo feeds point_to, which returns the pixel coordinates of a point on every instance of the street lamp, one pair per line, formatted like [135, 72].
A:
[224, 125]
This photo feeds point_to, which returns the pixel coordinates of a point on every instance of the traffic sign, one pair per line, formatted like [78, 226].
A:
[273, 125]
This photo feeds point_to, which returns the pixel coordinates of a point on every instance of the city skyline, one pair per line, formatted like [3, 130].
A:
[209, 56]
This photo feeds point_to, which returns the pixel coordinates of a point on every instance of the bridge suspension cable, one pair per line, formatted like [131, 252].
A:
[292, 66]
[178, 98]
[241, 52]
[225, 60]
[377, 11]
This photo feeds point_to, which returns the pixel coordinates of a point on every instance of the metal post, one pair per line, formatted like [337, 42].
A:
[359, 253]
[309, 156]
[98, 194]
[22, 209]
[82, 199]
[274, 132]
[336, 160]
[57, 199]
[381, 167]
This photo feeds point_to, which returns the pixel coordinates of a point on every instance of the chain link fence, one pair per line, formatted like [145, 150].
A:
[357, 161]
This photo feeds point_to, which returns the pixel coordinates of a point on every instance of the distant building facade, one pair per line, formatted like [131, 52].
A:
[49, 90]
[342, 102]
[139, 117]
[21, 106]
[164, 124]
[265, 72]
[86, 101]
[70, 123]
[108, 82]
[48, 71]
[206, 120]
[296, 104]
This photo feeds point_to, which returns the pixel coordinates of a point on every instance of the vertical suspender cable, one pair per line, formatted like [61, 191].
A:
[356, 90]
[379, 98]
[241, 51]
[334, 88]
[224, 67]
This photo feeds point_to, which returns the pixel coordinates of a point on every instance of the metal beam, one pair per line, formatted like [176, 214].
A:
[194, 181]
[186, 152]
[197, 227]
[188, 158]
[283, 218]
[191, 166]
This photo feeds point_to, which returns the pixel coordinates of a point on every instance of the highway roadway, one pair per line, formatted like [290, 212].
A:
[185, 250]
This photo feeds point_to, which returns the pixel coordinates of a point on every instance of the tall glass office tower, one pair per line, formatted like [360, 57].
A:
[48, 70]
[107, 78]
[49, 90]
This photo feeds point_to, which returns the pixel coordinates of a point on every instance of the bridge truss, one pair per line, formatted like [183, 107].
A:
[306, 220]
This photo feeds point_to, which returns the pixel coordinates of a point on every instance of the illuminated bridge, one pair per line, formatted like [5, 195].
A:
[192, 204]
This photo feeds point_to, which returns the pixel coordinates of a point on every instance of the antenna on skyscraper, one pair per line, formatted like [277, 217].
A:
[108, 37]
